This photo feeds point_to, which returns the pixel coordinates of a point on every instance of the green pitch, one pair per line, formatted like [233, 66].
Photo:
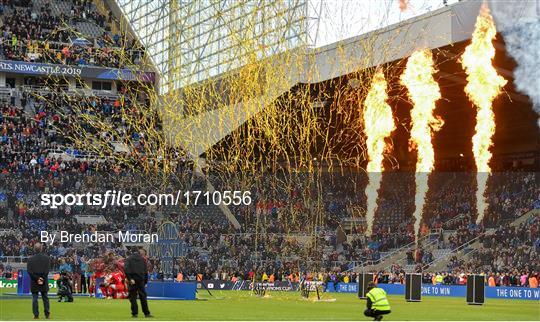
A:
[240, 305]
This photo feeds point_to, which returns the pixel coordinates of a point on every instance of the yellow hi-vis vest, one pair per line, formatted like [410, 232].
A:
[378, 299]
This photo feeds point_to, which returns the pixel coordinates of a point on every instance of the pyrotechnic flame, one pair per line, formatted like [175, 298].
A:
[378, 124]
[483, 85]
[424, 92]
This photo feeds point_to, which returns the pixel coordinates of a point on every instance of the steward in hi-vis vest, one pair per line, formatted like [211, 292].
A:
[377, 302]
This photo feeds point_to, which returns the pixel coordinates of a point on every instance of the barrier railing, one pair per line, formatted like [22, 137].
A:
[310, 263]
[420, 242]
[50, 54]
[13, 259]
[453, 251]
[390, 253]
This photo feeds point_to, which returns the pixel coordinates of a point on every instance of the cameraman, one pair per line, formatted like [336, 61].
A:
[65, 287]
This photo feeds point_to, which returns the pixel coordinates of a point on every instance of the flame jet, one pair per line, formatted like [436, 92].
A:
[378, 124]
[423, 92]
[483, 85]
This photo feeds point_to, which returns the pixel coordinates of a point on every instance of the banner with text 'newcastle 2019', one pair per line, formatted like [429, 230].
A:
[29, 68]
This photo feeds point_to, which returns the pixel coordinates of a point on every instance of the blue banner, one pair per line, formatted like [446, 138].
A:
[522, 293]
[21, 67]
[172, 290]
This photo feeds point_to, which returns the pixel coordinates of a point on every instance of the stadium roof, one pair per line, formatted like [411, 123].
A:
[434, 29]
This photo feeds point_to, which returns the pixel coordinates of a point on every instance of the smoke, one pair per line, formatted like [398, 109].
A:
[421, 179]
[519, 23]
[372, 189]
[481, 201]
[523, 43]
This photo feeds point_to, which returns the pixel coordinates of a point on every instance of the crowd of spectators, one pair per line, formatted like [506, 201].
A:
[510, 250]
[214, 248]
[31, 32]
[222, 252]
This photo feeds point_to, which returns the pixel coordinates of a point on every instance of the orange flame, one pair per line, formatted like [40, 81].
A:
[483, 85]
[424, 92]
[378, 124]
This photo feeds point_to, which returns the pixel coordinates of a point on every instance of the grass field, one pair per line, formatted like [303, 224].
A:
[242, 305]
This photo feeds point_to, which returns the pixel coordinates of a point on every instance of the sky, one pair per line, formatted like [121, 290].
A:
[342, 19]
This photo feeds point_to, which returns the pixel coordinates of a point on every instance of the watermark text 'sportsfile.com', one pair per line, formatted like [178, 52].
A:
[114, 198]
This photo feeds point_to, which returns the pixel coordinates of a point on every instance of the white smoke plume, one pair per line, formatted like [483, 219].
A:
[519, 23]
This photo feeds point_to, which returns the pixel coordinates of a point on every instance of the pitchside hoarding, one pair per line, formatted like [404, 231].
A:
[522, 293]
[11, 283]
[246, 285]
[19, 67]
